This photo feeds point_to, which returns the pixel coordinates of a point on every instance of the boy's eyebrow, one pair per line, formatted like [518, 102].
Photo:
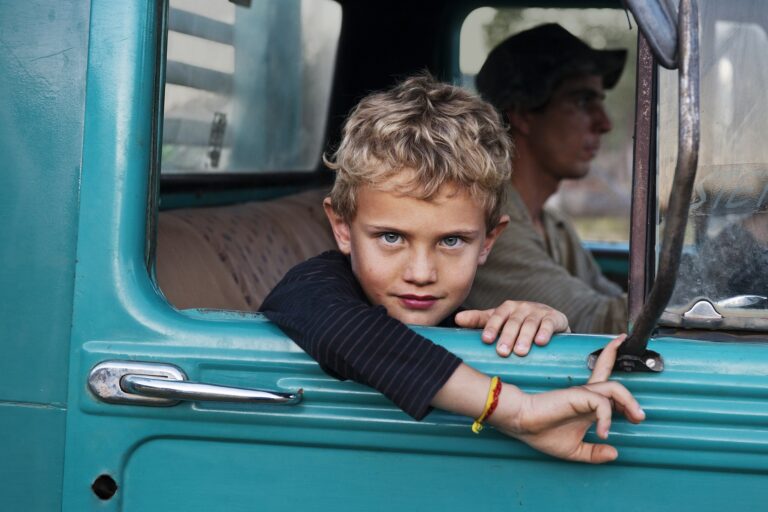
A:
[450, 232]
[463, 232]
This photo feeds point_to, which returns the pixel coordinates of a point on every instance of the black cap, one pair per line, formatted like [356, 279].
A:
[523, 70]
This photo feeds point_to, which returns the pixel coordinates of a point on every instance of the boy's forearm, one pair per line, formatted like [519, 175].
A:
[466, 391]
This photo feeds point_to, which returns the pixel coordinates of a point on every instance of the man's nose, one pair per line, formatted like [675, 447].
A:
[601, 121]
[421, 268]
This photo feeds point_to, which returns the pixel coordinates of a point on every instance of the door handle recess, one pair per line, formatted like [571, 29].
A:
[141, 383]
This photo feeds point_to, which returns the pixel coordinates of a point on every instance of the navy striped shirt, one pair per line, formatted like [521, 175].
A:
[320, 305]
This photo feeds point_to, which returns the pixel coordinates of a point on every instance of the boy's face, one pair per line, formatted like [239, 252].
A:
[415, 257]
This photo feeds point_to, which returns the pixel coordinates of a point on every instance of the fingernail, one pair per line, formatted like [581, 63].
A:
[486, 335]
[641, 412]
[504, 349]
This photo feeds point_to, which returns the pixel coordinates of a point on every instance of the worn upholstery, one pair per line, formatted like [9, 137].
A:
[230, 257]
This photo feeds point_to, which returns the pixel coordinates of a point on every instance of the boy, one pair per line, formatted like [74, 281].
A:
[415, 209]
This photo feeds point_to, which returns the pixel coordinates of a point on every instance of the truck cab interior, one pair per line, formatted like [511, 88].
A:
[256, 92]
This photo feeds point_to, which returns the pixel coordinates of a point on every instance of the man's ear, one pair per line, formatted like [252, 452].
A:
[339, 225]
[491, 238]
[519, 121]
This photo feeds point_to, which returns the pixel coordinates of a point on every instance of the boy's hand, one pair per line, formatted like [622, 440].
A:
[556, 422]
[516, 325]
[606, 360]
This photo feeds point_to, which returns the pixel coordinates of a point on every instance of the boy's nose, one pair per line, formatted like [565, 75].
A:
[420, 269]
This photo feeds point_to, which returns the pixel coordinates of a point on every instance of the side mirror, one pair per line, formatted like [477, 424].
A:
[658, 22]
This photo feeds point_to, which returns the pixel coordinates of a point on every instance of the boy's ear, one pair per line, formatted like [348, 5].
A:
[339, 225]
[491, 238]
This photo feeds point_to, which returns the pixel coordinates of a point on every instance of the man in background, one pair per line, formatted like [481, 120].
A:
[549, 85]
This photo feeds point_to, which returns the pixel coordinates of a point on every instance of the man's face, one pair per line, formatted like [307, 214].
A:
[415, 257]
[565, 135]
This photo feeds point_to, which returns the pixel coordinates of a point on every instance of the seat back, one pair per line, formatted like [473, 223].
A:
[231, 257]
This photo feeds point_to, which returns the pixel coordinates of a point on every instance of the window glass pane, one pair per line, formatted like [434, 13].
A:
[600, 203]
[247, 88]
[726, 253]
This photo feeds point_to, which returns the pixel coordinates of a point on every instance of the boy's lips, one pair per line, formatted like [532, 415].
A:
[417, 301]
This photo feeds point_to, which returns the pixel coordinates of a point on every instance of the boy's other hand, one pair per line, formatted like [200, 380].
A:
[515, 325]
[556, 422]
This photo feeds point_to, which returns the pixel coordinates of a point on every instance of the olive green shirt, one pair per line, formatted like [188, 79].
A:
[558, 272]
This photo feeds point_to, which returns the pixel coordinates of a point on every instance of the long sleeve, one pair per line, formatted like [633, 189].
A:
[320, 305]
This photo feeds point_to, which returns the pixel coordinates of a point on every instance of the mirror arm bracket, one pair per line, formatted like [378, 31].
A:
[633, 353]
[648, 361]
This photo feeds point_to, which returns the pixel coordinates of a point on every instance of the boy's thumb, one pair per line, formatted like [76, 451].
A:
[471, 318]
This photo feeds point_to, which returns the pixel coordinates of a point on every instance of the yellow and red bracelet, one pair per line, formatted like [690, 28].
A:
[490, 404]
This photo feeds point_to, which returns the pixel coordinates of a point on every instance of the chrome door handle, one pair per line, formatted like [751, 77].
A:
[140, 383]
[198, 392]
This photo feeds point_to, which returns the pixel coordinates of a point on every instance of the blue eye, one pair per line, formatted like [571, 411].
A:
[451, 241]
[390, 238]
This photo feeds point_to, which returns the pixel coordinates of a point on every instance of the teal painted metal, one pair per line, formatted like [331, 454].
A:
[42, 79]
[700, 419]
[31, 444]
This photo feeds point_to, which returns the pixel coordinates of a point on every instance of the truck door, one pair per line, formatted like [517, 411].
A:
[343, 446]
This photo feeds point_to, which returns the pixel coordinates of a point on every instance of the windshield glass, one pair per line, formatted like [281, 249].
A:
[726, 252]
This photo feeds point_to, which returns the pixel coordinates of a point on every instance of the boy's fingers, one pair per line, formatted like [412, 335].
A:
[525, 336]
[604, 363]
[493, 326]
[510, 338]
[545, 332]
[595, 453]
[603, 414]
[623, 399]
[559, 320]
[599, 408]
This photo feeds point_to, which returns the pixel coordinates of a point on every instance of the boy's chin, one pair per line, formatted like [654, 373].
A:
[424, 318]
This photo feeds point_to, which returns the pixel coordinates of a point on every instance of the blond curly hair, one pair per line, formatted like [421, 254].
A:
[443, 134]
